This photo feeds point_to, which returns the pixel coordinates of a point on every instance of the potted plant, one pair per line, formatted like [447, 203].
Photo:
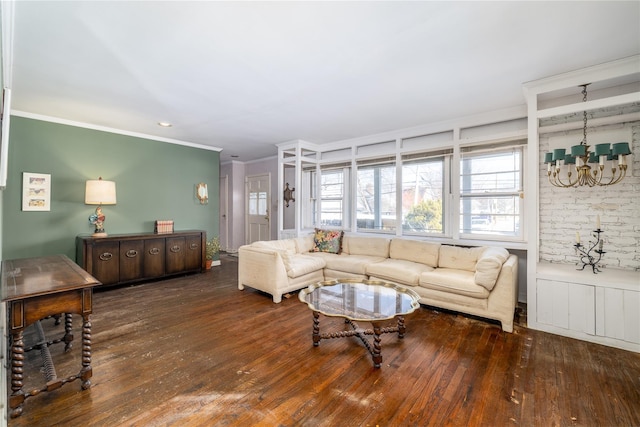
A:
[212, 250]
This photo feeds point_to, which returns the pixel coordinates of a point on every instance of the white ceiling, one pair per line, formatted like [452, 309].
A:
[244, 76]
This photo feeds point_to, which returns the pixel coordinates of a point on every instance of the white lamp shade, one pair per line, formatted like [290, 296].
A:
[100, 192]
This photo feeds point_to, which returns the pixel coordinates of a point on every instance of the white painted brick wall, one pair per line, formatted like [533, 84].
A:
[563, 211]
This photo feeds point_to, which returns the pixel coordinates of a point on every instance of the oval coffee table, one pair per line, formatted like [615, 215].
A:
[360, 301]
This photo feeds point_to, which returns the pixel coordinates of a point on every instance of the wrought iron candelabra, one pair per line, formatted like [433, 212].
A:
[586, 256]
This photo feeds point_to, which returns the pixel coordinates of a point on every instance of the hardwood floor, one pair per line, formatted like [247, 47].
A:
[196, 351]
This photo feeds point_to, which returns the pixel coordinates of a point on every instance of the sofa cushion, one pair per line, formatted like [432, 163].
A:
[299, 265]
[371, 246]
[452, 280]
[304, 244]
[327, 241]
[339, 275]
[489, 266]
[356, 264]
[415, 250]
[459, 258]
[398, 270]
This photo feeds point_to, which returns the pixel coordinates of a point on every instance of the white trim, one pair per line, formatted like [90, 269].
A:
[111, 130]
[593, 123]
[590, 105]
[5, 127]
[248, 162]
[232, 162]
[491, 117]
[609, 70]
[8, 19]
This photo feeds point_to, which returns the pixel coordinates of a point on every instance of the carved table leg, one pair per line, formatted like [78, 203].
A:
[401, 327]
[68, 331]
[376, 356]
[316, 329]
[86, 371]
[17, 362]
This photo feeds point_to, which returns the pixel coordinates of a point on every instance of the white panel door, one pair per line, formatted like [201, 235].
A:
[224, 212]
[582, 303]
[620, 316]
[566, 305]
[257, 208]
[553, 303]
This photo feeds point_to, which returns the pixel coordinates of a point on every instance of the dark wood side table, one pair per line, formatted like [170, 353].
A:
[33, 289]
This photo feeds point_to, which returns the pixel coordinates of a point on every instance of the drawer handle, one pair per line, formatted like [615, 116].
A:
[193, 246]
[106, 256]
[175, 248]
[132, 253]
[154, 251]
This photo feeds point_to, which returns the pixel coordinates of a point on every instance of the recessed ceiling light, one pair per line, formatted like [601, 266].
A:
[165, 124]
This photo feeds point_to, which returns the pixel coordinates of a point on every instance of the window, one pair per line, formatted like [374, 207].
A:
[376, 195]
[490, 190]
[258, 203]
[329, 205]
[422, 193]
[415, 193]
[333, 201]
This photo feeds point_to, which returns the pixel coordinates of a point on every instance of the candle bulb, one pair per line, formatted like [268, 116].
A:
[598, 223]
[577, 237]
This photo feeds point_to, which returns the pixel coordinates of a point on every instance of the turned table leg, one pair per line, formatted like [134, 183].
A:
[86, 371]
[17, 363]
[401, 327]
[68, 331]
[376, 356]
[316, 329]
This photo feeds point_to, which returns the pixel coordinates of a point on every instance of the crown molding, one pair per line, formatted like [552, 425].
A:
[111, 130]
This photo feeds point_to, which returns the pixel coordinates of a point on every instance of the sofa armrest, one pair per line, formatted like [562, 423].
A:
[504, 296]
[262, 269]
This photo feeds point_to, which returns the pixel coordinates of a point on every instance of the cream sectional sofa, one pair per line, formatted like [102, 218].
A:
[480, 281]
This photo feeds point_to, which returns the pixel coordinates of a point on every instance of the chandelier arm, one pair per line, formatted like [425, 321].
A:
[558, 180]
[614, 179]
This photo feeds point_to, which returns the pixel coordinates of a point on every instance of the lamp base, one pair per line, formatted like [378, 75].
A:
[99, 232]
[97, 219]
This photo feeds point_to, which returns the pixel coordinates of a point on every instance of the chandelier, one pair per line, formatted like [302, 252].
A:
[573, 170]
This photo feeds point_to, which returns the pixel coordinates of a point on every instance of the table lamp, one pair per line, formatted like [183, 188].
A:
[99, 192]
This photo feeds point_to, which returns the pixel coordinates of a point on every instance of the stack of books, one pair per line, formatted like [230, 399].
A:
[164, 226]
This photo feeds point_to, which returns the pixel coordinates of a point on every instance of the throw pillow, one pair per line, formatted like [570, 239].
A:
[327, 241]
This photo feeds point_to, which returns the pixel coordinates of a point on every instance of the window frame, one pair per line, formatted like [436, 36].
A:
[445, 156]
[376, 163]
[312, 181]
[517, 193]
[453, 155]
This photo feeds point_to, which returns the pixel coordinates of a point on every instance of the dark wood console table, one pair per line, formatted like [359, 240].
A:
[33, 289]
[127, 258]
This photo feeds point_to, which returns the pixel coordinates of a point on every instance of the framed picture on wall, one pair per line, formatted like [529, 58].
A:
[36, 191]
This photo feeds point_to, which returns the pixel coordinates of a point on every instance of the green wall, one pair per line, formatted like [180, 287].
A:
[154, 180]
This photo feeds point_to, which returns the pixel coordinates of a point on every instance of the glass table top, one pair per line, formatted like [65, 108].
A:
[360, 300]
